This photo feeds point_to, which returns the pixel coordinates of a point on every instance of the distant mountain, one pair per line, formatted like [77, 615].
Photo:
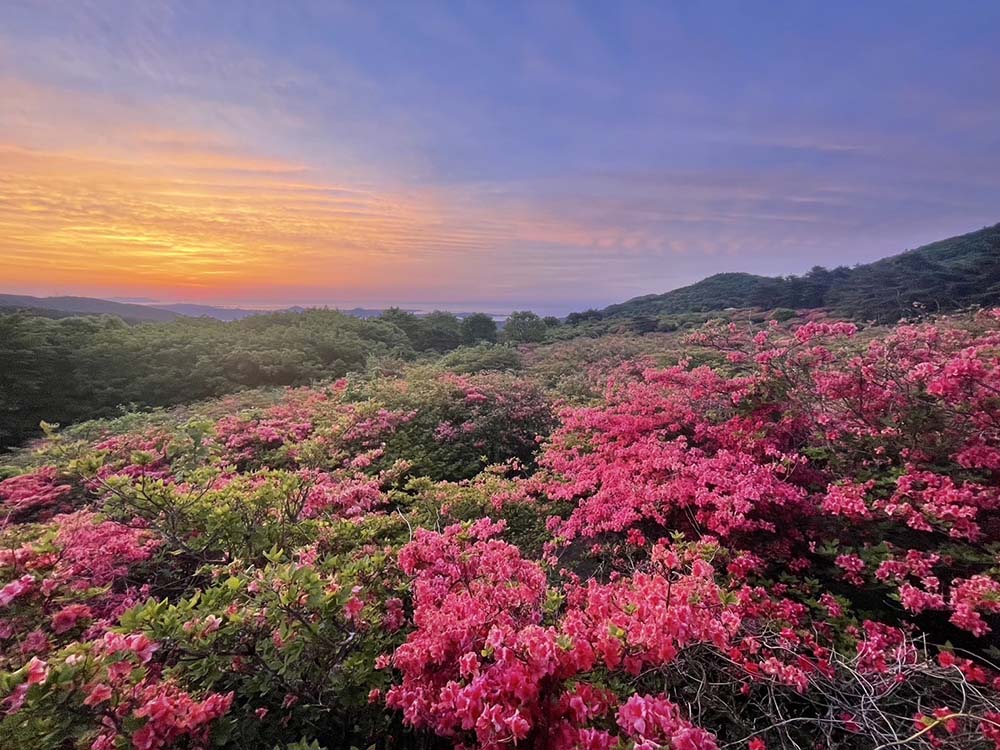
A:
[86, 306]
[210, 311]
[361, 312]
[59, 307]
[945, 275]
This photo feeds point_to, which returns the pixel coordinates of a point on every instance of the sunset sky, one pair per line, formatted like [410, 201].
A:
[484, 155]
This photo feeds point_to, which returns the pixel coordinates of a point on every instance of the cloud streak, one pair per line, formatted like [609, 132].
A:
[551, 157]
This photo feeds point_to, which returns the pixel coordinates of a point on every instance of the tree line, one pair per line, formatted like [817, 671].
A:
[64, 370]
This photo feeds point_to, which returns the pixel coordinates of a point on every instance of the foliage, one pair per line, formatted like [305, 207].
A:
[748, 536]
[478, 327]
[524, 327]
[66, 370]
[576, 369]
[437, 331]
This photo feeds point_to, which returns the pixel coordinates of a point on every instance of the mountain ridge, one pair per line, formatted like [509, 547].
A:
[943, 275]
[87, 306]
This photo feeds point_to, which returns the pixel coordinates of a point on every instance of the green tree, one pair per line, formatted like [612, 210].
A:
[405, 321]
[478, 327]
[586, 316]
[440, 331]
[524, 327]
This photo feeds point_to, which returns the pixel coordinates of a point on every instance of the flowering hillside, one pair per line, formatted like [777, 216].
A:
[782, 536]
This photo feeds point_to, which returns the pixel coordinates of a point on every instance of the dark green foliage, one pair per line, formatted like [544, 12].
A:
[405, 321]
[478, 327]
[439, 331]
[945, 275]
[524, 327]
[783, 314]
[645, 323]
[69, 369]
[585, 316]
[718, 292]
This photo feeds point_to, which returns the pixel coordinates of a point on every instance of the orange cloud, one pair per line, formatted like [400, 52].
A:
[98, 199]
[94, 197]
[195, 223]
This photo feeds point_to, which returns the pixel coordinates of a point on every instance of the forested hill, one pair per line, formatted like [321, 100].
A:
[945, 275]
[62, 306]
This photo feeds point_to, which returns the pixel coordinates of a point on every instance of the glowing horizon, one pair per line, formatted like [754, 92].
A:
[544, 158]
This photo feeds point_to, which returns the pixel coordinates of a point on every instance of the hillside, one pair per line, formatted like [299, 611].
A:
[717, 292]
[86, 306]
[945, 275]
[412, 559]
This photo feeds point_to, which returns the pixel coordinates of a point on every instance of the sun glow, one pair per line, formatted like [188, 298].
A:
[159, 223]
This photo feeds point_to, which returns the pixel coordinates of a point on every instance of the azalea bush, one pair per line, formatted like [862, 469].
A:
[778, 535]
[456, 425]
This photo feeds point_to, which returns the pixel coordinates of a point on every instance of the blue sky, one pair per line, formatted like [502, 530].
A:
[484, 155]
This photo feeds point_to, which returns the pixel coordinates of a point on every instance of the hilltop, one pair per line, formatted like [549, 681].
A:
[946, 275]
[60, 306]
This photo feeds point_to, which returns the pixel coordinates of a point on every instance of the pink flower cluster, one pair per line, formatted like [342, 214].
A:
[776, 455]
[96, 552]
[480, 662]
[655, 722]
[39, 492]
[652, 454]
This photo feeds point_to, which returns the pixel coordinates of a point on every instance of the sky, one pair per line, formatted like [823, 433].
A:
[483, 155]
